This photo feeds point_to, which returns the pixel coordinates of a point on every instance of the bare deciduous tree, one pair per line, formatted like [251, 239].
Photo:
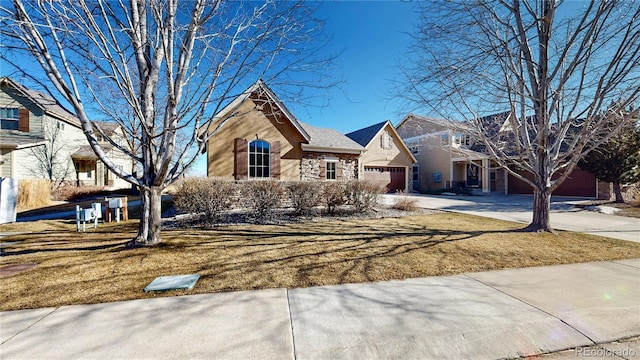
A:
[51, 158]
[557, 69]
[161, 69]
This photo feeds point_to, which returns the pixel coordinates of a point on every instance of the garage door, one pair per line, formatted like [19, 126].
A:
[393, 178]
[580, 183]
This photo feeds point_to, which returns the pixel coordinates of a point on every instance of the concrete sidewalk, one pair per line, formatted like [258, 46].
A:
[486, 315]
[518, 208]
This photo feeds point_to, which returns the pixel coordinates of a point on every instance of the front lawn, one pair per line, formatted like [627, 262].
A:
[94, 267]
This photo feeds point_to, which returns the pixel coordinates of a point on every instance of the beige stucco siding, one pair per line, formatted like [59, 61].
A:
[394, 156]
[251, 125]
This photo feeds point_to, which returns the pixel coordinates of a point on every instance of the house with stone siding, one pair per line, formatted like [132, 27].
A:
[256, 136]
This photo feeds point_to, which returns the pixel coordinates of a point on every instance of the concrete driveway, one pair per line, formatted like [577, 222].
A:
[518, 208]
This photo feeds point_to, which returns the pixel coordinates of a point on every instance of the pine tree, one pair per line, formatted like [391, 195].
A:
[616, 161]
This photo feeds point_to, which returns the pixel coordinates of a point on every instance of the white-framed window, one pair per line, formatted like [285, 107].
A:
[386, 140]
[259, 160]
[9, 118]
[461, 139]
[60, 125]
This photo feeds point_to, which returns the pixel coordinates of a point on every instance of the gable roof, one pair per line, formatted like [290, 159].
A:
[255, 90]
[424, 119]
[45, 102]
[323, 139]
[108, 128]
[317, 138]
[365, 135]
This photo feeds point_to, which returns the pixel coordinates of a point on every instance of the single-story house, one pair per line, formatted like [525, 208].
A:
[256, 136]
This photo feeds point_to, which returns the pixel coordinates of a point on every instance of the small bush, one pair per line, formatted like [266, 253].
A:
[262, 196]
[303, 195]
[405, 203]
[72, 192]
[208, 197]
[334, 194]
[33, 193]
[363, 195]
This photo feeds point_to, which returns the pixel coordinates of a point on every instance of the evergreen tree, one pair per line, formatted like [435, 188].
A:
[616, 161]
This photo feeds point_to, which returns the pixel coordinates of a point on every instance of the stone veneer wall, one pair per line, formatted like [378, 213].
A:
[605, 190]
[501, 175]
[311, 161]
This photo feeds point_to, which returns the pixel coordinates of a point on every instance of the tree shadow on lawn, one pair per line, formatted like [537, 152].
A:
[357, 252]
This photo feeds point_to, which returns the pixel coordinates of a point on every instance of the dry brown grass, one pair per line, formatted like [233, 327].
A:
[94, 267]
[33, 193]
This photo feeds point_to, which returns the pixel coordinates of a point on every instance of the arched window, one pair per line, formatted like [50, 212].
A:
[259, 159]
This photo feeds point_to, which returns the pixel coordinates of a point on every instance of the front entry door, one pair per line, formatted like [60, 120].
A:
[473, 175]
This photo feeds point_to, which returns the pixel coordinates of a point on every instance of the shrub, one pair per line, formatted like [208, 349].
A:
[72, 192]
[363, 195]
[404, 202]
[33, 193]
[262, 196]
[303, 195]
[334, 194]
[208, 197]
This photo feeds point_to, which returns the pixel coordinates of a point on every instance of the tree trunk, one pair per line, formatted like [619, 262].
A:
[617, 192]
[541, 209]
[150, 217]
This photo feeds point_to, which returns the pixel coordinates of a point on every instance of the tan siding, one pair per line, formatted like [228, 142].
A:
[6, 163]
[249, 125]
[433, 158]
[10, 98]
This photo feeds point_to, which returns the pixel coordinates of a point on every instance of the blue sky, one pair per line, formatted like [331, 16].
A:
[373, 36]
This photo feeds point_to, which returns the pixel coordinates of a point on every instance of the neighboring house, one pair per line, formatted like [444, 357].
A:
[40, 139]
[444, 156]
[449, 158]
[256, 136]
[387, 160]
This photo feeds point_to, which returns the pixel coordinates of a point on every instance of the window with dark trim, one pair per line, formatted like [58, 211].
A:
[9, 118]
[331, 170]
[259, 159]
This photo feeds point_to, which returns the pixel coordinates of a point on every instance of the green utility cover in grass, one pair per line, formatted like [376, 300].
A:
[173, 282]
